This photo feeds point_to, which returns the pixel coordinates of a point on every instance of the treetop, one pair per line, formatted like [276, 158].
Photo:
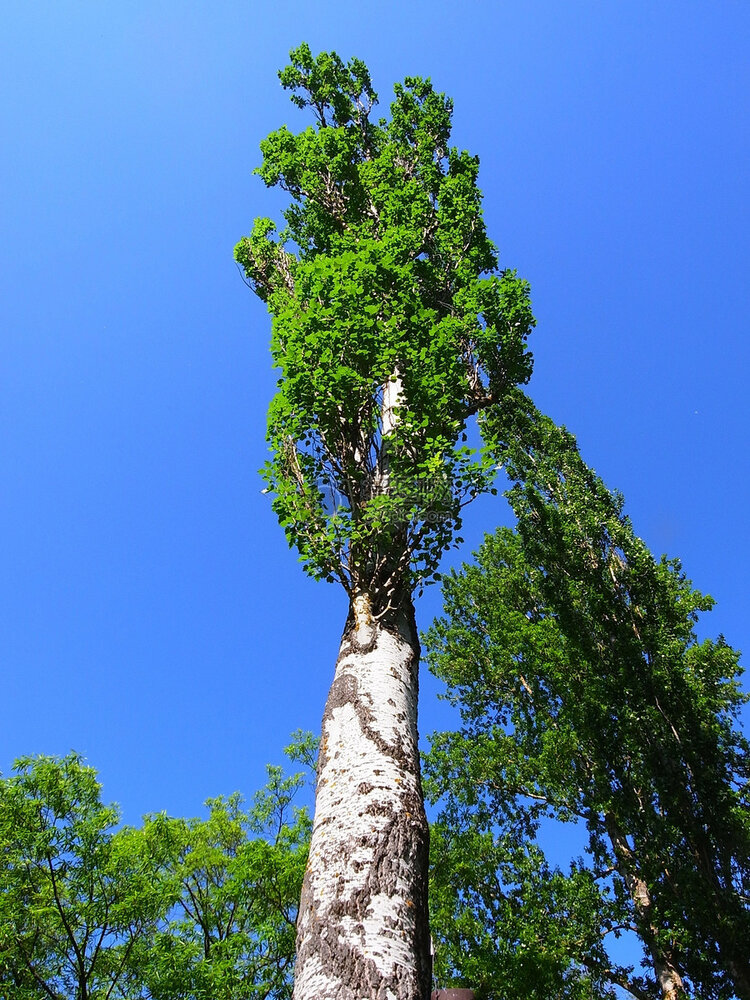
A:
[391, 325]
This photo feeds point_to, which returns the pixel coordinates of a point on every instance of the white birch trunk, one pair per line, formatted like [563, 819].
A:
[362, 931]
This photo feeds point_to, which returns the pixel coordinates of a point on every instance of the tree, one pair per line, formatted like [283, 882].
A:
[176, 910]
[77, 898]
[235, 880]
[390, 331]
[587, 695]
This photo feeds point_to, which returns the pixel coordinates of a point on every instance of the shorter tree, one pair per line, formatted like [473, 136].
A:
[78, 899]
[504, 921]
[236, 879]
[586, 695]
[176, 910]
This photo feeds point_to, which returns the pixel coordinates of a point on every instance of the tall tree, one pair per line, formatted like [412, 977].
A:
[586, 694]
[390, 332]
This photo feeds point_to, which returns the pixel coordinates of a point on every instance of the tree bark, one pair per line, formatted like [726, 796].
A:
[363, 929]
[667, 976]
[740, 978]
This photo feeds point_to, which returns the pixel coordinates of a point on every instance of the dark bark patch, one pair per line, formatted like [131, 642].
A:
[401, 846]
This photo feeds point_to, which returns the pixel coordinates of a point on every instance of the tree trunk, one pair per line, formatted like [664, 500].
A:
[740, 975]
[667, 976]
[362, 931]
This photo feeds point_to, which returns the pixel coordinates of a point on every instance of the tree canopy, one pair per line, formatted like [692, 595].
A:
[199, 909]
[78, 898]
[389, 327]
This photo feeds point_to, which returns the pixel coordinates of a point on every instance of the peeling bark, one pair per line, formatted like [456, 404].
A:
[362, 931]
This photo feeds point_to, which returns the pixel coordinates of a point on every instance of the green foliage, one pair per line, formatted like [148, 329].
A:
[200, 909]
[503, 921]
[236, 877]
[381, 278]
[586, 695]
[77, 898]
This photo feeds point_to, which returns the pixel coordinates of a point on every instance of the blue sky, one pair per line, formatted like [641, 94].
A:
[151, 615]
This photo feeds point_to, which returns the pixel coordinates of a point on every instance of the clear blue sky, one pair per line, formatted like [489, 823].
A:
[151, 615]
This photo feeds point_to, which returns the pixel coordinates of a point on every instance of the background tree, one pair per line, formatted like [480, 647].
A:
[586, 694]
[236, 879]
[390, 332]
[77, 898]
[177, 910]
